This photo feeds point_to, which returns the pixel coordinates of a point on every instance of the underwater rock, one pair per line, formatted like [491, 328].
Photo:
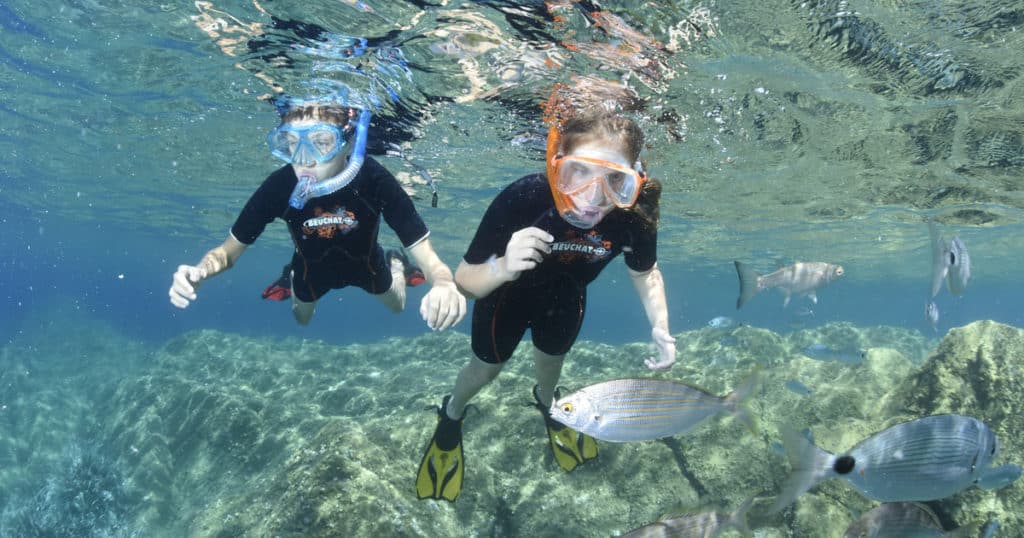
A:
[85, 495]
[365, 418]
[56, 475]
[976, 371]
[232, 436]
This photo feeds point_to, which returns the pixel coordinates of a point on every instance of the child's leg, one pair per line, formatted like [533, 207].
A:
[301, 310]
[549, 369]
[394, 298]
[473, 377]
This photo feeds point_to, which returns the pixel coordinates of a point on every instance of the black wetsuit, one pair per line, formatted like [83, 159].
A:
[550, 300]
[335, 236]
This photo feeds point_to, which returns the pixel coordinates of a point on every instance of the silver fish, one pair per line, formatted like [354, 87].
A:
[950, 262]
[624, 410]
[959, 266]
[796, 387]
[902, 520]
[931, 313]
[845, 355]
[721, 322]
[801, 278]
[706, 523]
[920, 460]
[990, 530]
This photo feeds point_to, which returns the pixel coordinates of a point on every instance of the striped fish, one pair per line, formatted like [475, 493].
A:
[920, 460]
[903, 520]
[624, 410]
[694, 524]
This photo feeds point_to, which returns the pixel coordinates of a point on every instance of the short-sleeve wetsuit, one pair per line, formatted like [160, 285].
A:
[550, 299]
[335, 236]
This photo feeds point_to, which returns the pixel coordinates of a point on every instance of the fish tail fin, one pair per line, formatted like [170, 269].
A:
[748, 283]
[738, 519]
[737, 400]
[809, 466]
[970, 530]
[990, 529]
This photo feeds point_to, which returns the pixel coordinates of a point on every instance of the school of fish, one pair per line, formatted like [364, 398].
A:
[923, 459]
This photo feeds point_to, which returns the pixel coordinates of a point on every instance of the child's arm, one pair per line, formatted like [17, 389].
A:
[651, 288]
[443, 306]
[524, 251]
[188, 277]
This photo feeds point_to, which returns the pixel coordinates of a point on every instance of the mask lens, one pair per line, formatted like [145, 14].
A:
[323, 140]
[574, 175]
[305, 145]
[282, 143]
[624, 187]
[620, 184]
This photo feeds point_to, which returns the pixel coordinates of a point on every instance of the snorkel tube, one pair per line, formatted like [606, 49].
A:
[308, 187]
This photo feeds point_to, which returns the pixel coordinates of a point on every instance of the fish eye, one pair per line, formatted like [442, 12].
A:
[567, 408]
[844, 464]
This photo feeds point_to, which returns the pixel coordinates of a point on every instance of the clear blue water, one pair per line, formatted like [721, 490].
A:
[124, 285]
[131, 135]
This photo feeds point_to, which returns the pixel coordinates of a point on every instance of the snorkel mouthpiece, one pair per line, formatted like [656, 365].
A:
[301, 193]
[308, 187]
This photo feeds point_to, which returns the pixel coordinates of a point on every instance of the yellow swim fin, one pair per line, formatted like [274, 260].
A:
[441, 471]
[570, 447]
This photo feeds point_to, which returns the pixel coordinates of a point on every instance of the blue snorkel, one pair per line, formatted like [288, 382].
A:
[308, 187]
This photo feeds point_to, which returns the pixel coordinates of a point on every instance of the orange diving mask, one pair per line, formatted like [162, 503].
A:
[573, 175]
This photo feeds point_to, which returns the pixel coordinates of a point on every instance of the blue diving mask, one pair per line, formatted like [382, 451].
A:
[306, 146]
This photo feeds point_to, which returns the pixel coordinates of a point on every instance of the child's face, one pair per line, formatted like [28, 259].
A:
[320, 170]
[590, 203]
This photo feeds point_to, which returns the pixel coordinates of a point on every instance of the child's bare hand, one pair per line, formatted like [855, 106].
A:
[665, 345]
[183, 285]
[443, 306]
[526, 249]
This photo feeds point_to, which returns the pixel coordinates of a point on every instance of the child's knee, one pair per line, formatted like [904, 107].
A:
[303, 312]
[395, 299]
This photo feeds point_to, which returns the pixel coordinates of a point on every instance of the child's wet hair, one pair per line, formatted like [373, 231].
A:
[335, 114]
[604, 126]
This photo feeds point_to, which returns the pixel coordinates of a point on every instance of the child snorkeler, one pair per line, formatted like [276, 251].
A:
[540, 243]
[332, 197]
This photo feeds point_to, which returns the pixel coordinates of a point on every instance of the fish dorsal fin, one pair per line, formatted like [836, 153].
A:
[696, 387]
[688, 511]
[672, 381]
[932, 516]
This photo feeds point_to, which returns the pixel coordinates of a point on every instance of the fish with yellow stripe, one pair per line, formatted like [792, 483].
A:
[644, 409]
